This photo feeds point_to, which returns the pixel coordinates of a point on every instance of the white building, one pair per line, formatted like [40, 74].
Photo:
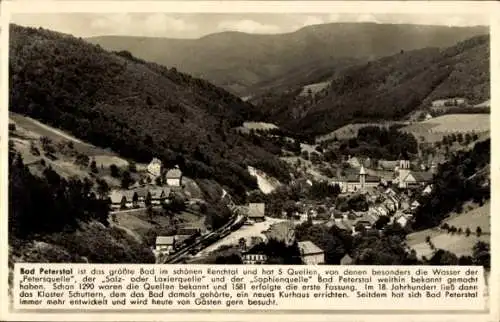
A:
[154, 167]
[174, 177]
[311, 254]
[251, 258]
[165, 244]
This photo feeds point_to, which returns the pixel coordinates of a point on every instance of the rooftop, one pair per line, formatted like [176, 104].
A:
[309, 248]
[174, 173]
[256, 210]
[165, 240]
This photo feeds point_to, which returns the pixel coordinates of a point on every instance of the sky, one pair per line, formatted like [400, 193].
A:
[200, 24]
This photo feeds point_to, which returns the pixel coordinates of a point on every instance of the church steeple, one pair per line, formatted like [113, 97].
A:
[362, 177]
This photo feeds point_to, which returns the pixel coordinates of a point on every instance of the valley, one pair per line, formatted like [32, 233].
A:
[379, 160]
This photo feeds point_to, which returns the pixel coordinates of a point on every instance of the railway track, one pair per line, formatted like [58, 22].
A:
[204, 241]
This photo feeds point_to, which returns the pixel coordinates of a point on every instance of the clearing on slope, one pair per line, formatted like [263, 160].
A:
[434, 129]
[458, 244]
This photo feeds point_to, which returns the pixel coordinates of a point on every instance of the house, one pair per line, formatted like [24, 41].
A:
[390, 204]
[256, 212]
[165, 244]
[159, 195]
[404, 219]
[310, 253]
[346, 260]
[368, 220]
[344, 225]
[390, 192]
[154, 168]
[427, 190]
[428, 116]
[388, 165]
[414, 205]
[122, 199]
[174, 177]
[405, 204]
[415, 179]
[256, 255]
[354, 162]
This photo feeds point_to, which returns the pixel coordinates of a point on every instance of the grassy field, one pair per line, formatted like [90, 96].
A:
[351, 131]
[314, 88]
[39, 129]
[434, 129]
[28, 133]
[458, 244]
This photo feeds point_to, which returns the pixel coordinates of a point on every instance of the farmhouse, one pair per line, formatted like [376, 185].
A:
[159, 194]
[174, 177]
[154, 168]
[165, 244]
[310, 253]
[121, 199]
[415, 179]
[256, 212]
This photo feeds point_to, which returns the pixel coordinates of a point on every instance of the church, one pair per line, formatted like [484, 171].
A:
[356, 182]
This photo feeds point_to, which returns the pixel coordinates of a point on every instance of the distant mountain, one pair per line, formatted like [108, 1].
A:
[385, 89]
[138, 109]
[239, 62]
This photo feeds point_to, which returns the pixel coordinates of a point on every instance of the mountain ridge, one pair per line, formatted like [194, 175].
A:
[240, 61]
[385, 89]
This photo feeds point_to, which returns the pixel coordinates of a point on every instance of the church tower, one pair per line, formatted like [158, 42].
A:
[362, 177]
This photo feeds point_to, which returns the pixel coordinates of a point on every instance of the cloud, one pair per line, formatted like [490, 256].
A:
[162, 23]
[249, 26]
[156, 24]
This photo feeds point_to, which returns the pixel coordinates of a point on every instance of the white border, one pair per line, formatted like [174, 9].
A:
[434, 7]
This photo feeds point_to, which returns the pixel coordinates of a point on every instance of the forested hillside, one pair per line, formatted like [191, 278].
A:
[388, 88]
[465, 177]
[244, 63]
[138, 109]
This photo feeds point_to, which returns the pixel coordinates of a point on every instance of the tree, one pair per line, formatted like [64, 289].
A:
[93, 167]
[242, 243]
[478, 231]
[82, 160]
[158, 181]
[115, 173]
[150, 212]
[123, 203]
[102, 188]
[126, 180]
[481, 254]
[467, 232]
[135, 199]
[148, 200]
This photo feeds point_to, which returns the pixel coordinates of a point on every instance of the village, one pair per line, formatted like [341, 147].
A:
[392, 198]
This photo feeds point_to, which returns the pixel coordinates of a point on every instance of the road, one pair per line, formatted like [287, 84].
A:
[256, 230]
